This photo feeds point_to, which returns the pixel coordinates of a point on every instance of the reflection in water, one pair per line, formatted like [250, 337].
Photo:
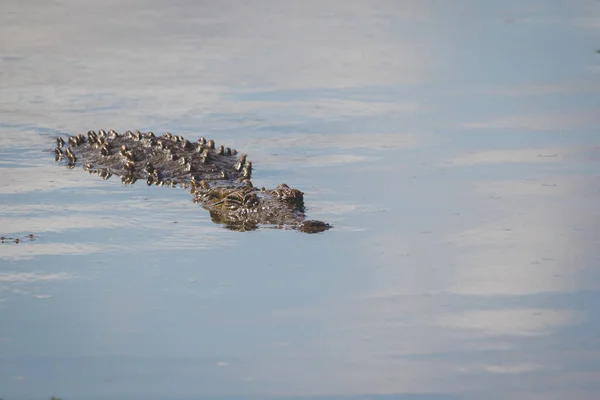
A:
[540, 122]
[454, 151]
[32, 277]
[517, 322]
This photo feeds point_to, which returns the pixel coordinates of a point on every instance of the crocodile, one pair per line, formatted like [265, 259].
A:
[217, 176]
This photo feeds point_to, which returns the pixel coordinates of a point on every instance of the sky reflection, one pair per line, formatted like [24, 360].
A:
[451, 146]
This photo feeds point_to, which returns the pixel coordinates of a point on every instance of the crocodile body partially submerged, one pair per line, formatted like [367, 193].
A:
[218, 177]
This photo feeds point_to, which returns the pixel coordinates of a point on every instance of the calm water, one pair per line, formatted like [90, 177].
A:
[454, 147]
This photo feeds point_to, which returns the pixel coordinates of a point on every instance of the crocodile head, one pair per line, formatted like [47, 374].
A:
[245, 207]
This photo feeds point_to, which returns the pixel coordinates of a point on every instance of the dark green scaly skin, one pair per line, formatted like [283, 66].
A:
[218, 178]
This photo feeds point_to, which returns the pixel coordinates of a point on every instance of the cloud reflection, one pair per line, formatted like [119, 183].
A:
[34, 277]
[27, 251]
[511, 322]
[504, 368]
[519, 155]
[555, 121]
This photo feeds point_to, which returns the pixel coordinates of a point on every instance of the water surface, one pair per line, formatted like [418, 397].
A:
[454, 147]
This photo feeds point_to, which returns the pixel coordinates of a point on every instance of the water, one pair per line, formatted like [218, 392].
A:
[454, 147]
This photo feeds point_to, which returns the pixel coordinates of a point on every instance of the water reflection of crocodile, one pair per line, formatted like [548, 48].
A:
[218, 177]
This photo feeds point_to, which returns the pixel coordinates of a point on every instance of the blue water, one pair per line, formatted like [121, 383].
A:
[453, 146]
